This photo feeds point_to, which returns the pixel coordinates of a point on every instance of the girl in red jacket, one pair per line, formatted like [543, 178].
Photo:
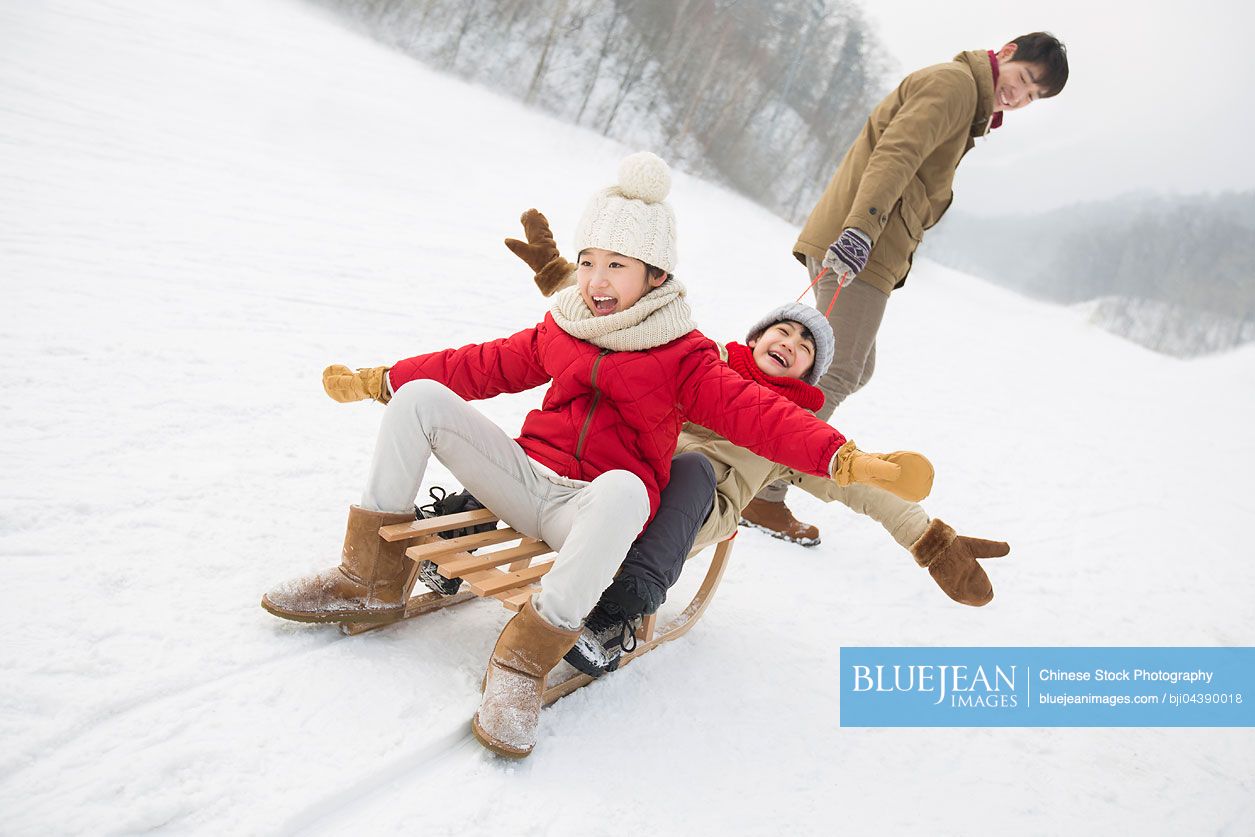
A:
[626, 367]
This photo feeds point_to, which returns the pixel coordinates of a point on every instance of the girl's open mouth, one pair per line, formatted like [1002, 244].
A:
[604, 304]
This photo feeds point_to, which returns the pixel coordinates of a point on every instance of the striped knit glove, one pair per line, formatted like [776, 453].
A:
[345, 385]
[903, 473]
[847, 256]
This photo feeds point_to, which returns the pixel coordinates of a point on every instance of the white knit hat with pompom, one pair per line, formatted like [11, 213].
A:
[633, 217]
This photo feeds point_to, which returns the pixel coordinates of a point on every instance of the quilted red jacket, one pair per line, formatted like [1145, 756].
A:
[623, 410]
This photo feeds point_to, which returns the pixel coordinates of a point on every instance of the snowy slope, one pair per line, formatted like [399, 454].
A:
[204, 204]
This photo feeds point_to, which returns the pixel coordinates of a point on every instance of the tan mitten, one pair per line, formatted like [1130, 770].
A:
[540, 252]
[345, 385]
[951, 561]
[904, 473]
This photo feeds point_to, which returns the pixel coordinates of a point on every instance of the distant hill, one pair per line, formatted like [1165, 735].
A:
[1176, 274]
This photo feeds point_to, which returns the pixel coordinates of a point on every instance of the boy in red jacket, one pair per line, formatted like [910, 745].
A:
[626, 367]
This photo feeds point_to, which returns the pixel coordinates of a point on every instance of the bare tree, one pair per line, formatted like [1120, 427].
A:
[610, 29]
[539, 73]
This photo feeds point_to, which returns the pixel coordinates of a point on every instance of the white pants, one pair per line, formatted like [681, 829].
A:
[590, 524]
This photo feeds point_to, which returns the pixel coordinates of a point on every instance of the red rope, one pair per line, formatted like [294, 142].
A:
[815, 282]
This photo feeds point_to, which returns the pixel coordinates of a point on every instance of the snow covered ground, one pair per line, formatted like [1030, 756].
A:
[202, 205]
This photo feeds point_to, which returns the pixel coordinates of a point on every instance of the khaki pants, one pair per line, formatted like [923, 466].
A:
[590, 524]
[855, 321]
[903, 520]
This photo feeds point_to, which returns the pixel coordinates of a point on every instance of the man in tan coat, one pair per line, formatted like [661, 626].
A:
[893, 184]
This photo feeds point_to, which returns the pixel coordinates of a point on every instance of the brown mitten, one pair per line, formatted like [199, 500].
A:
[904, 473]
[345, 385]
[951, 561]
[541, 253]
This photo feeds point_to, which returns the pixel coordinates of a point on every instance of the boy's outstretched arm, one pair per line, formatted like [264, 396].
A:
[713, 395]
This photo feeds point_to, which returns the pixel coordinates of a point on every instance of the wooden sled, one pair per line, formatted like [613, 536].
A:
[509, 575]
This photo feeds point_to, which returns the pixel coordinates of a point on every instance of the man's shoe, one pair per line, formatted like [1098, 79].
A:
[776, 520]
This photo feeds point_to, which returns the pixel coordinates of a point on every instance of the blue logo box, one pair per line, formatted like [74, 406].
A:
[1047, 687]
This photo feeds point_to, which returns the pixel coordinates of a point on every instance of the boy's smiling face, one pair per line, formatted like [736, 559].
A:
[783, 350]
[612, 282]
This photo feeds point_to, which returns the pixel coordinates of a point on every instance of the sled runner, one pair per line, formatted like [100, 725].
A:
[509, 575]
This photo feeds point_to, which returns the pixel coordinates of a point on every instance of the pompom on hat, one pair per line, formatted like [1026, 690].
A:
[633, 217]
[814, 322]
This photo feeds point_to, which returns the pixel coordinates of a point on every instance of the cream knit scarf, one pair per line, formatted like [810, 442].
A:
[658, 317]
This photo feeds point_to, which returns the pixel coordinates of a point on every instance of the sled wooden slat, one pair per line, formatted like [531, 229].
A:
[482, 576]
[515, 599]
[460, 565]
[432, 525]
[508, 581]
[646, 631]
[434, 551]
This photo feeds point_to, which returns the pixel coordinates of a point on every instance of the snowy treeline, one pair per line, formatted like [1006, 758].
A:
[762, 96]
[1175, 274]
[1170, 328]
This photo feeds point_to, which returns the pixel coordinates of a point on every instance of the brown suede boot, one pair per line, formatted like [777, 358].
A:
[951, 561]
[514, 685]
[370, 585]
[776, 520]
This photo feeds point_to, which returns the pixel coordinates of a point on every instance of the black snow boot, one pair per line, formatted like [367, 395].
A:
[610, 629]
[442, 503]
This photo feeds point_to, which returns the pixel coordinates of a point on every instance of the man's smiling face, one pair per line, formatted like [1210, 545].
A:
[1018, 81]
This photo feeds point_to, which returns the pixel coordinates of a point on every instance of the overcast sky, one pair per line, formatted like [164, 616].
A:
[1158, 97]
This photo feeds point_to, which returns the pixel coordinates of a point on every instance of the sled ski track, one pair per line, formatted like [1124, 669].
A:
[120, 710]
[406, 770]
[509, 575]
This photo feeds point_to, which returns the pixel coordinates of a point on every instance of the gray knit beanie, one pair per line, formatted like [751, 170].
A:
[813, 321]
[633, 217]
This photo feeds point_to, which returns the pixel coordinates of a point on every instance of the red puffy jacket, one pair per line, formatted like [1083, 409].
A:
[623, 410]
